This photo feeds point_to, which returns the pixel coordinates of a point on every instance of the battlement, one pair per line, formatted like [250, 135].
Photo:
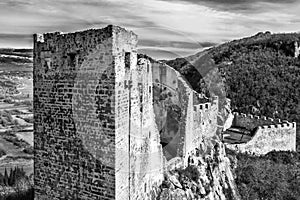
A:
[279, 137]
[257, 117]
[202, 107]
[270, 134]
[279, 126]
[206, 106]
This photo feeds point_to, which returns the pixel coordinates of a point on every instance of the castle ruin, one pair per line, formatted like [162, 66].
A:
[109, 125]
[259, 134]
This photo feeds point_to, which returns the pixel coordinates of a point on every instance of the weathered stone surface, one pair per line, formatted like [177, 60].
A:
[95, 135]
[268, 134]
[210, 178]
[100, 115]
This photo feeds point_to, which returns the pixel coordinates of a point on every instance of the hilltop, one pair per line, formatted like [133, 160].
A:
[260, 74]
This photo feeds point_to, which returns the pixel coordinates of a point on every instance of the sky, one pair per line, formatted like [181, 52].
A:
[166, 28]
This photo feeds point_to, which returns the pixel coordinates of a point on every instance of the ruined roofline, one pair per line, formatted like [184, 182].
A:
[42, 37]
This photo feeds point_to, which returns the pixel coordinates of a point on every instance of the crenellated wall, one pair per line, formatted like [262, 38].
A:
[269, 134]
[204, 124]
[250, 122]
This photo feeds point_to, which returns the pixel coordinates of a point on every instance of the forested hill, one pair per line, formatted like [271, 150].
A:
[260, 74]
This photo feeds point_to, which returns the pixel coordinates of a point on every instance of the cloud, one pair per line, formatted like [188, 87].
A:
[182, 26]
[235, 5]
[176, 44]
[10, 40]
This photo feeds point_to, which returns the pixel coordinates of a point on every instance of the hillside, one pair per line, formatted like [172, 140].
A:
[260, 74]
[16, 128]
[15, 70]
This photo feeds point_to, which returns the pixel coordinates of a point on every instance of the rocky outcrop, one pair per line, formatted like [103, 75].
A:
[196, 164]
[208, 176]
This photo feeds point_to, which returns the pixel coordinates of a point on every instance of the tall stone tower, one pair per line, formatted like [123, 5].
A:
[94, 130]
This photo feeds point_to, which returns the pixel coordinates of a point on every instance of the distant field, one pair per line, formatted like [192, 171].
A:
[16, 62]
[16, 72]
[27, 53]
[14, 67]
[14, 154]
[8, 163]
[27, 136]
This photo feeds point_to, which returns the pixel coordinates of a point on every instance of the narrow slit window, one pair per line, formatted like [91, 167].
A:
[127, 60]
[72, 60]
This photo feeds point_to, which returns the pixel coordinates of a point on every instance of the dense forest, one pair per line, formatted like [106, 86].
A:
[261, 72]
[275, 176]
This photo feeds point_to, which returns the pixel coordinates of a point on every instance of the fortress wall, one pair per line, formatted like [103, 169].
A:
[168, 107]
[196, 121]
[251, 121]
[126, 101]
[204, 123]
[174, 103]
[281, 137]
[146, 157]
[95, 135]
[74, 115]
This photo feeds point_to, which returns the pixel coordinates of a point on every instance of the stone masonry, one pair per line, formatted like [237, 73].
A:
[268, 134]
[94, 138]
[108, 125]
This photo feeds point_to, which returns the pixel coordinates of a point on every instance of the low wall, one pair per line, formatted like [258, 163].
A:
[281, 137]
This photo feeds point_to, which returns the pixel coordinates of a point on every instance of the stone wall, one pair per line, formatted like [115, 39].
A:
[146, 157]
[280, 137]
[74, 132]
[204, 124]
[171, 100]
[100, 114]
[191, 122]
[192, 128]
[95, 136]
